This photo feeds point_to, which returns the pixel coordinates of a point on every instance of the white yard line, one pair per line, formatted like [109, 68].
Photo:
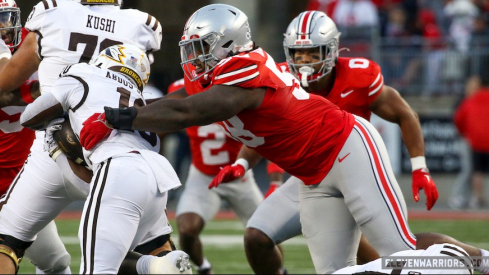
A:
[216, 240]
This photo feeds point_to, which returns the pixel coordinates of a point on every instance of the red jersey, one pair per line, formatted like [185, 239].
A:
[15, 140]
[210, 147]
[357, 84]
[301, 132]
[471, 120]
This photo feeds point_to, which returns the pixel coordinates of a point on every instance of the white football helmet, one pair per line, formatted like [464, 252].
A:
[211, 34]
[128, 60]
[100, 2]
[10, 26]
[309, 30]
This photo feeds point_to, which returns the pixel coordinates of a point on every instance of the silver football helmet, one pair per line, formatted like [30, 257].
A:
[10, 26]
[312, 30]
[100, 2]
[128, 60]
[211, 34]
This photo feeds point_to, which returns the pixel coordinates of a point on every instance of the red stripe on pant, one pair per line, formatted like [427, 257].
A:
[385, 185]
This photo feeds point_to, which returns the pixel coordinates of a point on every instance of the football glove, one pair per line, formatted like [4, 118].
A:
[423, 180]
[228, 173]
[50, 144]
[94, 130]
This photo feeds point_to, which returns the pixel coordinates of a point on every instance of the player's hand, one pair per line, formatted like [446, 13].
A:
[94, 130]
[227, 174]
[273, 186]
[50, 144]
[423, 180]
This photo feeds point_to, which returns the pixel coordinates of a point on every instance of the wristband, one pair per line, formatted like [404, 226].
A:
[25, 91]
[121, 118]
[243, 163]
[418, 163]
[274, 168]
[54, 154]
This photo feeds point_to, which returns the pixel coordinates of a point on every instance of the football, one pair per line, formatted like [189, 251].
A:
[68, 143]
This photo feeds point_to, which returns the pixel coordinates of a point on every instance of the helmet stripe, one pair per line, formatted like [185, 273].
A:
[305, 24]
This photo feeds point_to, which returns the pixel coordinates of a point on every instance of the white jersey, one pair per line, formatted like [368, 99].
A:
[84, 90]
[85, 31]
[439, 251]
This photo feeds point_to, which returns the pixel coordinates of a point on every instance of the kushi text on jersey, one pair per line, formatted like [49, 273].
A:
[103, 24]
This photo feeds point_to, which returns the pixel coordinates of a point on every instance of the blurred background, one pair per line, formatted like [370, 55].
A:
[431, 51]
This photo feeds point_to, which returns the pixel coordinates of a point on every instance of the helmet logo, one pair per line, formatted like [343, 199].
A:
[120, 54]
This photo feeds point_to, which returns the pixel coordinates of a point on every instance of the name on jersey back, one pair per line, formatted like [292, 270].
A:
[98, 23]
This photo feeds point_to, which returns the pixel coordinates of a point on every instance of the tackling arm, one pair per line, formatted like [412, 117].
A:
[216, 104]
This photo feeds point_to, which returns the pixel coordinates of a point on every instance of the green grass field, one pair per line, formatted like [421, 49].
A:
[223, 244]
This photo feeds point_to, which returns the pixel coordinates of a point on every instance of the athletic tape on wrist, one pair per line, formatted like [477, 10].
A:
[243, 163]
[418, 163]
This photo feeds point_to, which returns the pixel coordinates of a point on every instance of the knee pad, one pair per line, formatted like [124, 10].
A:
[57, 265]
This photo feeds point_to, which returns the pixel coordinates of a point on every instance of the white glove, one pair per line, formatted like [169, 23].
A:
[50, 144]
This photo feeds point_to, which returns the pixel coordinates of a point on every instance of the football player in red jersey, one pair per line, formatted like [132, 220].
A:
[305, 134]
[211, 149]
[336, 80]
[356, 85]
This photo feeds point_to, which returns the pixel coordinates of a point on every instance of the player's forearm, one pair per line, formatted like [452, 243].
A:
[412, 135]
[249, 155]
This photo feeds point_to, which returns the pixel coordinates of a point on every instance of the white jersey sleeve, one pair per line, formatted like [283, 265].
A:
[70, 33]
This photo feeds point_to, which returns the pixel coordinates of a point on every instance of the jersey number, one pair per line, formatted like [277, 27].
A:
[90, 42]
[213, 144]
[150, 137]
[358, 63]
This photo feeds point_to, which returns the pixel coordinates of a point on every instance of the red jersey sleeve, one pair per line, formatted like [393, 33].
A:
[247, 70]
[176, 86]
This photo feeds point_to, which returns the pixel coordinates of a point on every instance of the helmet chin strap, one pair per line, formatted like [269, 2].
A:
[305, 71]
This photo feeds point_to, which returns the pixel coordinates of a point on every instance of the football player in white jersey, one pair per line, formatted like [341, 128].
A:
[83, 37]
[129, 188]
[454, 255]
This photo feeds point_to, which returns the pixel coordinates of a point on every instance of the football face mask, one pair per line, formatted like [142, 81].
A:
[10, 27]
[197, 57]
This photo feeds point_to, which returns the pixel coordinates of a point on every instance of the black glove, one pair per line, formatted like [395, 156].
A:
[120, 118]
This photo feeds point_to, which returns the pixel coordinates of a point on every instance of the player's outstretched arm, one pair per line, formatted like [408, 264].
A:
[390, 106]
[216, 104]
